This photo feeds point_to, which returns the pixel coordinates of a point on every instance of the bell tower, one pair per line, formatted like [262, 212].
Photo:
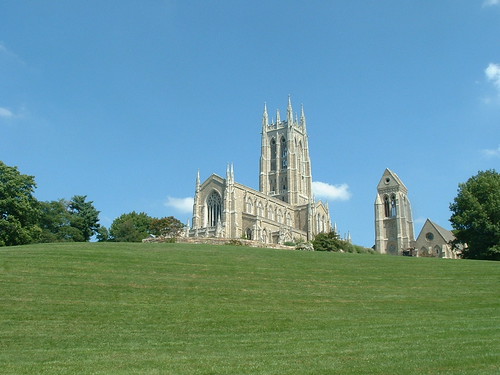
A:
[393, 218]
[285, 166]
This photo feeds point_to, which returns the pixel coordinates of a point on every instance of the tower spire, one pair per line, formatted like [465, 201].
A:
[265, 117]
[278, 117]
[302, 117]
[289, 112]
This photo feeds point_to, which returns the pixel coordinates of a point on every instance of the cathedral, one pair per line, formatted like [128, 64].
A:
[283, 209]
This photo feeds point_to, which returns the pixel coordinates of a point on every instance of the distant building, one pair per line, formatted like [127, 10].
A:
[435, 241]
[394, 232]
[283, 209]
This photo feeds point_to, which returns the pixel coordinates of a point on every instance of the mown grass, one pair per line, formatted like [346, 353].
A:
[194, 309]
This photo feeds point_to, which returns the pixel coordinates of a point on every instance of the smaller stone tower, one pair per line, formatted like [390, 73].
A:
[393, 218]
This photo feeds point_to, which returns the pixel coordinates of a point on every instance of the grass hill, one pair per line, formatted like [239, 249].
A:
[112, 308]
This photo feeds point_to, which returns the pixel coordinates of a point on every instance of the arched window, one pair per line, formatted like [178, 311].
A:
[288, 219]
[214, 208]
[393, 206]
[273, 154]
[260, 209]
[387, 209]
[270, 212]
[249, 234]
[249, 206]
[280, 217]
[284, 154]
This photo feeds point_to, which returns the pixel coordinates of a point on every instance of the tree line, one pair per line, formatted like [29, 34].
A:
[24, 219]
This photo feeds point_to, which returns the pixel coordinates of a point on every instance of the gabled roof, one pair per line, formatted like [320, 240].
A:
[391, 179]
[430, 226]
[445, 233]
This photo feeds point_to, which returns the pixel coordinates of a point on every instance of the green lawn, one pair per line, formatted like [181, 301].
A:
[194, 309]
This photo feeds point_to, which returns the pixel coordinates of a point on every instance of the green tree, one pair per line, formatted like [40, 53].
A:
[166, 226]
[102, 234]
[131, 227]
[83, 217]
[476, 216]
[63, 220]
[19, 211]
[327, 242]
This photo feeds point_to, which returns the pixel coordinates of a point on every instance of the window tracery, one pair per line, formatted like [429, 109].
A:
[214, 208]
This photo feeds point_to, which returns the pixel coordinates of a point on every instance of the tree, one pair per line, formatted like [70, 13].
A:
[167, 227]
[63, 220]
[83, 216]
[476, 216]
[19, 211]
[131, 227]
[327, 242]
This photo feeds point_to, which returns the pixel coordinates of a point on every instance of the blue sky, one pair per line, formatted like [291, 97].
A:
[123, 101]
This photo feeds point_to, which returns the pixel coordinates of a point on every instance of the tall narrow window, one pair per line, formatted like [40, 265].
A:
[284, 154]
[387, 209]
[273, 154]
[214, 208]
[393, 206]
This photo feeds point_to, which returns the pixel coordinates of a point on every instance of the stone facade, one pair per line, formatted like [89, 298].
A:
[394, 232]
[435, 241]
[283, 209]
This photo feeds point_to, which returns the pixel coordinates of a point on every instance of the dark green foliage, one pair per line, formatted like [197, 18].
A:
[19, 210]
[131, 227]
[68, 221]
[476, 216]
[166, 227]
[331, 242]
[102, 234]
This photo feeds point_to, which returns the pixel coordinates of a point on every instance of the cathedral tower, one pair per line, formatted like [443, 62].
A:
[393, 219]
[285, 166]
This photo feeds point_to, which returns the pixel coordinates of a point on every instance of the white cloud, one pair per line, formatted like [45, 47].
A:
[182, 205]
[492, 153]
[488, 3]
[6, 113]
[334, 192]
[493, 74]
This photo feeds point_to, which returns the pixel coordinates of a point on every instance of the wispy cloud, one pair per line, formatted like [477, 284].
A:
[488, 3]
[182, 205]
[6, 113]
[7, 53]
[491, 153]
[492, 73]
[334, 192]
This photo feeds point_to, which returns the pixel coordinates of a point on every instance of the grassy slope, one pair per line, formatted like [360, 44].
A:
[184, 309]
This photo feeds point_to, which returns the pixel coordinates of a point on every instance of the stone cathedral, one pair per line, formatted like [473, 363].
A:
[283, 209]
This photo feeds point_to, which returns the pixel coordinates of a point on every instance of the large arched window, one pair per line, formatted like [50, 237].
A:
[214, 208]
[284, 154]
[273, 154]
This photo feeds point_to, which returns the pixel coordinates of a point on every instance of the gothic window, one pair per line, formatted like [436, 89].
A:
[387, 209]
[273, 155]
[264, 236]
[280, 217]
[214, 208]
[318, 224]
[270, 213]
[323, 223]
[288, 219]
[284, 154]
[260, 209]
[393, 206]
[437, 251]
[248, 234]
[249, 206]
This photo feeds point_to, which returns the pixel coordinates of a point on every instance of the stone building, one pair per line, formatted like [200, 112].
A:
[435, 241]
[394, 232]
[283, 209]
